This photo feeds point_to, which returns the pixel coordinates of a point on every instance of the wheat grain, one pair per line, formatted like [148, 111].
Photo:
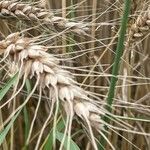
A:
[24, 11]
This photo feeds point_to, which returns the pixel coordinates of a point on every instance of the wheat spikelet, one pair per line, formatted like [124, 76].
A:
[142, 25]
[32, 61]
[27, 12]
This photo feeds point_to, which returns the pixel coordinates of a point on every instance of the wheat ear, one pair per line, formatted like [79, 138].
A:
[142, 25]
[33, 61]
[27, 12]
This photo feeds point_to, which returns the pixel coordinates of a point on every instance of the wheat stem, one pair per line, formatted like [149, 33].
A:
[115, 70]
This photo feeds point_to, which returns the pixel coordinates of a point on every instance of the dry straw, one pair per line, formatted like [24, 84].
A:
[32, 61]
[27, 12]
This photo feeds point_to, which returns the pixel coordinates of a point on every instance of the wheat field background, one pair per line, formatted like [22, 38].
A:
[74, 75]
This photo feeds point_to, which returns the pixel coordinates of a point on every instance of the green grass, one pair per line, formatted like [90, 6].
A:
[7, 86]
[116, 64]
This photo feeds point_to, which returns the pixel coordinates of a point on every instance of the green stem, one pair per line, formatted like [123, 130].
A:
[115, 70]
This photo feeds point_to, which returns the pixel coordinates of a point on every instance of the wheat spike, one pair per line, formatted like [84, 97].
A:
[33, 61]
[142, 25]
[27, 12]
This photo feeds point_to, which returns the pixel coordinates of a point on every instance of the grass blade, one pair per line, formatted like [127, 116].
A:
[73, 145]
[115, 70]
[49, 143]
[7, 86]
[5, 131]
